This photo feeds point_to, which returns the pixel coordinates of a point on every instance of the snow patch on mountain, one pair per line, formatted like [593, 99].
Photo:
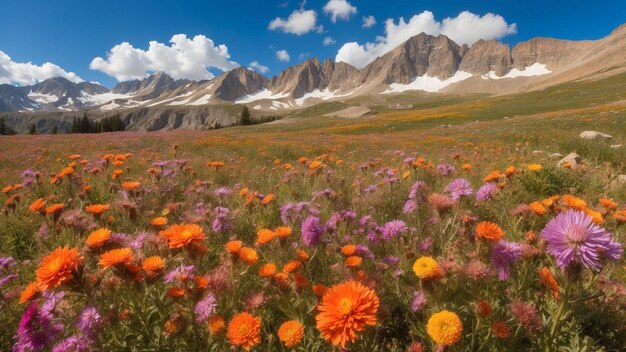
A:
[427, 83]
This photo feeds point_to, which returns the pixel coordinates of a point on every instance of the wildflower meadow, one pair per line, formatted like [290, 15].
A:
[213, 241]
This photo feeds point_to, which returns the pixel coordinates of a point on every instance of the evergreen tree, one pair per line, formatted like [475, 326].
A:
[55, 129]
[32, 129]
[245, 116]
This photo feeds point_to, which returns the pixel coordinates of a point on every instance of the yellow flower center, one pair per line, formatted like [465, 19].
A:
[345, 305]
[54, 265]
[244, 329]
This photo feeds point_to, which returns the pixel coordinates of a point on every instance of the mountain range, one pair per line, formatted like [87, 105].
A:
[422, 63]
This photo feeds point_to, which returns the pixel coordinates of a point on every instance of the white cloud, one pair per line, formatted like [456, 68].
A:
[184, 58]
[26, 73]
[282, 55]
[466, 28]
[329, 41]
[369, 21]
[255, 65]
[299, 22]
[339, 9]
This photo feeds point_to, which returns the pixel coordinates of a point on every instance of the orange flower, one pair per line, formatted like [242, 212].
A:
[489, 231]
[500, 329]
[291, 266]
[243, 191]
[492, 177]
[549, 202]
[300, 280]
[354, 261]
[466, 167]
[159, 221]
[267, 199]
[346, 309]
[176, 292]
[97, 209]
[264, 236]
[37, 205]
[608, 203]
[548, 279]
[282, 279]
[348, 249]
[596, 216]
[574, 202]
[98, 237]
[153, 265]
[248, 255]
[181, 235]
[303, 256]
[55, 208]
[202, 282]
[216, 324]
[244, 330]
[29, 292]
[283, 231]
[131, 185]
[57, 267]
[537, 208]
[116, 256]
[291, 332]
[534, 167]
[620, 216]
[319, 290]
[233, 247]
[268, 270]
[510, 171]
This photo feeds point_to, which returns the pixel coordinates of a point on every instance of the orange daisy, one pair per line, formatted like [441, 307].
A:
[264, 236]
[98, 237]
[574, 202]
[181, 235]
[346, 309]
[291, 332]
[131, 185]
[97, 209]
[248, 255]
[489, 231]
[233, 247]
[153, 265]
[116, 257]
[268, 270]
[38, 205]
[216, 324]
[57, 267]
[29, 292]
[244, 330]
[283, 231]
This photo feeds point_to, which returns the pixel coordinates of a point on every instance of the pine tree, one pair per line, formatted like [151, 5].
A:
[245, 116]
[55, 129]
[32, 129]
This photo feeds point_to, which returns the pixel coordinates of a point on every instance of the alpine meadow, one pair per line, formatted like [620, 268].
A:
[453, 183]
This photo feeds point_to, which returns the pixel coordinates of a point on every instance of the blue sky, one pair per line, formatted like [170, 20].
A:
[71, 33]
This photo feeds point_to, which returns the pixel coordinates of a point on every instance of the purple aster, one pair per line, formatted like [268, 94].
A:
[445, 169]
[419, 299]
[137, 243]
[425, 245]
[205, 307]
[222, 191]
[49, 306]
[222, 220]
[504, 254]
[574, 237]
[393, 229]
[294, 211]
[6, 262]
[370, 189]
[409, 207]
[89, 321]
[312, 230]
[417, 186]
[35, 331]
[459, 187]
[391, 260]
[364, 251]
[179, 272]
[485, 191]
[76, 343]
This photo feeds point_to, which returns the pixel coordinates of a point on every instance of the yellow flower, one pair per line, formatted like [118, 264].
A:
[445, 328]
[426, 268]
[534, 167]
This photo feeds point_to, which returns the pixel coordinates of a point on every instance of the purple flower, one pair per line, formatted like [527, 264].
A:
[205, 307]
[89, 321]
[312, 230]
[393, 229]
[573, 237]
[391, 260]
[504, 254]
[35, 331]
[294, 212]
[222, 220]
[485, 191]
[409, 207]
[419, 299]
[48, 307]
[364, 251]
[179, 272]
[425, 245]
[417, 186]
[76, 343]
[445, 169]
[459, 187]
[222, 191]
